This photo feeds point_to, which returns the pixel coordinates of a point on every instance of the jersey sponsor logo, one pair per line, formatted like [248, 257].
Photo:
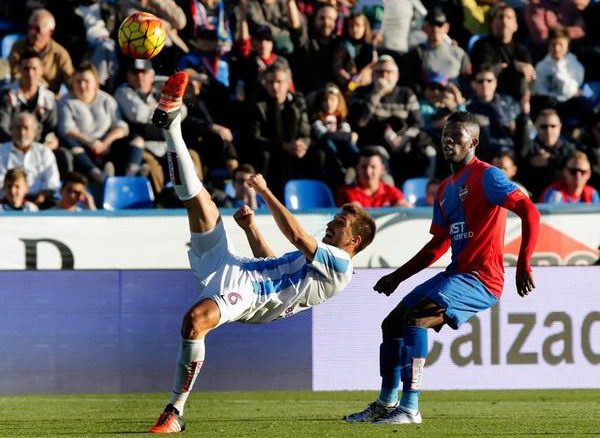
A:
[458, 231]
[463, 192]
[233, 298]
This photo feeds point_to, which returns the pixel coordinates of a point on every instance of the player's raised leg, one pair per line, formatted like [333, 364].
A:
[203, 214]
[203, 217]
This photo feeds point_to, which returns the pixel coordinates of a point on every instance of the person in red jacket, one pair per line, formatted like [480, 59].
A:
[572, 187]
[469, 215]
[370, 190]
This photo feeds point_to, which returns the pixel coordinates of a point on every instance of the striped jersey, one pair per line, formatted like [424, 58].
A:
[278, 287]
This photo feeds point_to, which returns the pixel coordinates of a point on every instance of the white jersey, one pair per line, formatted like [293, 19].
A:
[256, 291]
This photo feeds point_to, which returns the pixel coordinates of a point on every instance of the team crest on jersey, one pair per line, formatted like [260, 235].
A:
[463, 191]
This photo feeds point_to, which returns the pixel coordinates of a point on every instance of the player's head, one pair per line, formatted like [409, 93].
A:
[352, 229]
[460, 137]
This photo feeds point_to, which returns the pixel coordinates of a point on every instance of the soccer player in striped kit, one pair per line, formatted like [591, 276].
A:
[248, 290]
[470, 217]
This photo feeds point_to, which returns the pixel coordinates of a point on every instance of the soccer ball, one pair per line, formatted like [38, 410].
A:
[142, 36]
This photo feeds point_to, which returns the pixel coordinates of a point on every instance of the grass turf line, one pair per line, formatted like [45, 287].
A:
[297, 414]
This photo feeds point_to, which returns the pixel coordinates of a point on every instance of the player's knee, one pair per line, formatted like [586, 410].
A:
[391, 327]
[199, 320]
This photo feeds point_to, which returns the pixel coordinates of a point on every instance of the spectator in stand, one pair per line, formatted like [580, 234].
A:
[35, 158]
[137, 99]
[590, 144]
[542, 157]
[14, 190]
[251, 58]
[430, 193]
[388, 114]
[543, 15]
[274, 14]
[243, 193]
[503, 121]
[312, 61]
[559, 79]
[508, 56]
[277, 133]
[505, 161]
[572, 187]
[58, 67]
[440, 97]
[354, 55]
[396, 26]
[206, 57]
[205, 133]
[29, 94]
[437, 54]
[586, 48]
[332, 133]
[370, 190]
[90, 123]
[74, 195]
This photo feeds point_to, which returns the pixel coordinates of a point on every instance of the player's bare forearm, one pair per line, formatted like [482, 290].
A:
[521, 205]
[285, 220]
[258, 244]
[432, 251]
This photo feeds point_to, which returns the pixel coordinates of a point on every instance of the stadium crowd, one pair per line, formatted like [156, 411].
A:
[350, 92]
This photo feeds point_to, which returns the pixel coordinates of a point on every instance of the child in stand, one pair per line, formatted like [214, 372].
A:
[332, 133]
[15, 190]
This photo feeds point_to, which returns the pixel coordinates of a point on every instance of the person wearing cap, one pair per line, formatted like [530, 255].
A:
[439, 98]
[270, 13]
[502, 120]
[253, 53]
[388, 114]
[438, 54]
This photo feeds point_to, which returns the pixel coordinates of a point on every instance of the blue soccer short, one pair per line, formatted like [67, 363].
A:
[461, 294]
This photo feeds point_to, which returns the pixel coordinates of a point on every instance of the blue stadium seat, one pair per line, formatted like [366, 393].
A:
[123, 192]
[307, 193]
[7, 43]
[415, 189]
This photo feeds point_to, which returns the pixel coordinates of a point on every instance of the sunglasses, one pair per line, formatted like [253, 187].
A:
[574, 171]
[545, 126]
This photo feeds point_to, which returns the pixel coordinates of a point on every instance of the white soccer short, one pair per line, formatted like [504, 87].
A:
[219, 275]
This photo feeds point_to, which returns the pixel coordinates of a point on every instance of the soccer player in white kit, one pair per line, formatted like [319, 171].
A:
[249, 290]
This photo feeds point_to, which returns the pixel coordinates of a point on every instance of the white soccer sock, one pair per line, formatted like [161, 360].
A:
[181, 167]
[189, 362]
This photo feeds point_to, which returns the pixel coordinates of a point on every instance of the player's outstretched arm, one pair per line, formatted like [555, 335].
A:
[287, 223]
[432, 251]
[244, 217]
[520, 204]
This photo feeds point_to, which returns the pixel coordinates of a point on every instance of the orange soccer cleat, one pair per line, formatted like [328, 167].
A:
[171, 100]
[169, 422]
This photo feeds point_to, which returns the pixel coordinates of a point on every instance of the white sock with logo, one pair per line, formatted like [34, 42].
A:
[181, 167]
[189, 362]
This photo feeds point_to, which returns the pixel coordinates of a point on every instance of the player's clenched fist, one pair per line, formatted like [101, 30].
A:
[257, 182]
[244, 216]
[387, 284]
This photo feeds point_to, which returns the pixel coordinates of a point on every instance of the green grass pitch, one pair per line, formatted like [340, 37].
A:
[297, 414]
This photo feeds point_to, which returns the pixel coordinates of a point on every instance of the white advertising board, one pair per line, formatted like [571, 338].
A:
[160, 241]
[550, 339]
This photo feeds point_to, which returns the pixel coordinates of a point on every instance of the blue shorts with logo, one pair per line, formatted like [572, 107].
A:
[461, 294]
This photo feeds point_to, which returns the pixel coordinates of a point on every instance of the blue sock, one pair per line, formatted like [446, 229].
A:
[389, 369]
[415, 353]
